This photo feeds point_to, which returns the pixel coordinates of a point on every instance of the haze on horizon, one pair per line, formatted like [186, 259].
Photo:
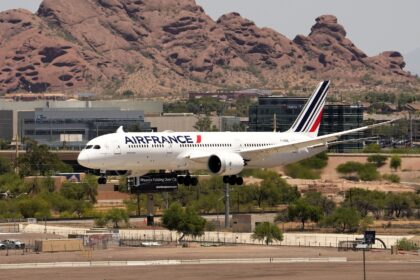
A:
[374, 26]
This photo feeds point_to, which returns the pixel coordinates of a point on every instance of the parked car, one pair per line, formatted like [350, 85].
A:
[12, 244]
[3, 246]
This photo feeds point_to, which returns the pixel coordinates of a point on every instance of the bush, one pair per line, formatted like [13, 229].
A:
[395, 162]
[316, 162]
[349, 167]
[365, 172]
[394, 178]
[406, 245]
[368, 172]
[378, 160]
[372, 149]
[297, 170]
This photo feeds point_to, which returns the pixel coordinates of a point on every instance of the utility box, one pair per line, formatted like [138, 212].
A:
[59, 245]
[247, 222]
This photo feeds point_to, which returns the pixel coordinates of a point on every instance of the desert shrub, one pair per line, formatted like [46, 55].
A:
[406, 245]
[394, 178]
[378, 160]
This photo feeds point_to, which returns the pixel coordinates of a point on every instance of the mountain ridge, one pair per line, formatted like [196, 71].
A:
[172, 46]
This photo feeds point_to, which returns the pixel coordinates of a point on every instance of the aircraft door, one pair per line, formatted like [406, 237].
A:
[117, 149]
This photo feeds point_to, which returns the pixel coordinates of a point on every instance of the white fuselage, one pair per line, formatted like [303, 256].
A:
[169, 150]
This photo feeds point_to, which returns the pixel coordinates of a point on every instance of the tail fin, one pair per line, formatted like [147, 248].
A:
[310, 117]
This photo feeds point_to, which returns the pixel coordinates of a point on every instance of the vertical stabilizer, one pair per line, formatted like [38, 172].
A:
[310, 117]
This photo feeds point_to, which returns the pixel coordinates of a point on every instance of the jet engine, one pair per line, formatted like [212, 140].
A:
[225, 164]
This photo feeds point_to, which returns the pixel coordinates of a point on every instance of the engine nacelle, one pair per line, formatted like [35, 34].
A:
[226, 164]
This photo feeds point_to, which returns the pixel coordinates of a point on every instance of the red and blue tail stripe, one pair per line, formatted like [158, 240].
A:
[310, 117]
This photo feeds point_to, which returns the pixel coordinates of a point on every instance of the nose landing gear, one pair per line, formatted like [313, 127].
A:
[102, 179]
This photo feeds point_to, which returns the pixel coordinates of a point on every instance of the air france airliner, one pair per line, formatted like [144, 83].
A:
[221, 153]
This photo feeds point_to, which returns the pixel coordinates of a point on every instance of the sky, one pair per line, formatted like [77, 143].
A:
[373, 25]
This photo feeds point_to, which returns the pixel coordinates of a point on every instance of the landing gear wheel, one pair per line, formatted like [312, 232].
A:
[226, 179]
[102, 180]
[239, 181]
[180, 180]
[187, 180]
[194, 181]
[232, 180]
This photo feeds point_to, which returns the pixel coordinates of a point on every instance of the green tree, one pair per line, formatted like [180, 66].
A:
[12, 183]
[87, 189]
[344, 219]
[400, 204]
[34, 208]
[184, 221]
[116, 216]
[100, 220]
[267, 232]
[365, 201]
[378, 160]
[395, 162]
[204, 124]
[38, 160]
[318, 200]
[5, 166]
[302, 211]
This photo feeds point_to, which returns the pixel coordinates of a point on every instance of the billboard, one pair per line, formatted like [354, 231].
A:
[153, 183]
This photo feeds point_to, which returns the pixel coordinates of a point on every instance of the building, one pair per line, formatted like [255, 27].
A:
[248, 222]
[72, 128]
[336, 117]
[6, 125]
[148, 107]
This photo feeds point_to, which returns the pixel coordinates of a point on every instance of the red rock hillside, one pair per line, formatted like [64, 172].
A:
[155, 47]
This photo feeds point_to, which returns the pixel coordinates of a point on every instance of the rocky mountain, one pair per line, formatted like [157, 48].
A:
[169, 47]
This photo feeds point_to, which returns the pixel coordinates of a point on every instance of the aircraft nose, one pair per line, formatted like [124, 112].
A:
[83, 159]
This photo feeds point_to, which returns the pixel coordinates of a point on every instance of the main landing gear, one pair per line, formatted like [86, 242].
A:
[188, 180]
[233, 180]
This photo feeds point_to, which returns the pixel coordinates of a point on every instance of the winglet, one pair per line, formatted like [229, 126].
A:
[120, 130]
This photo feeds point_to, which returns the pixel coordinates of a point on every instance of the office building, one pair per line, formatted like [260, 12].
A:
[72, 128]
[336, 117]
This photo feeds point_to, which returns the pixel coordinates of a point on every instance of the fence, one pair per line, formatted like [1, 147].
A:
[158, 235]
[9, 228]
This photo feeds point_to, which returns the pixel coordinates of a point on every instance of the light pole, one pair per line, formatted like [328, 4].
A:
[227, 206]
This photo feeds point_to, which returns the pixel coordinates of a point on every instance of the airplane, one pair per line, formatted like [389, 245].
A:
[221, 153]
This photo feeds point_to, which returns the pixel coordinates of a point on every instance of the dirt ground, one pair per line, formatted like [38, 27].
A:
[347, 271]
[380, 264]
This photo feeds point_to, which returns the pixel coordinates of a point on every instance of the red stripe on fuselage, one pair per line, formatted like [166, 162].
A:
[317, 122]
[198, 139]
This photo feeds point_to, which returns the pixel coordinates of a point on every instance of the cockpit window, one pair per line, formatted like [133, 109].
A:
[89, 147]
[97, 147]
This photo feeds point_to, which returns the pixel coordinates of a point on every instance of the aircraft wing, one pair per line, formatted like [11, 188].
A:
[257, 153]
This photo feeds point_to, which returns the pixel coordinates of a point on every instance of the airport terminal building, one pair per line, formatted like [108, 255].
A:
[71, 124]
[72, 128]
[336, 117]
